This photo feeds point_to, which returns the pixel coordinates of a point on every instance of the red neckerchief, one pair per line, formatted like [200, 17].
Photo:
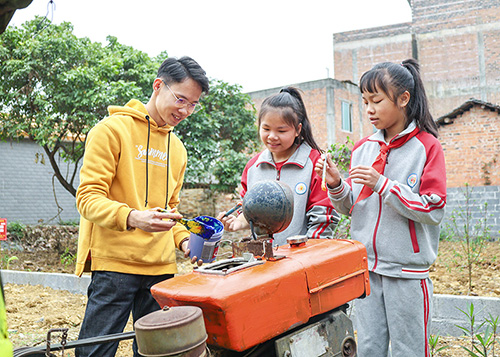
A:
[381, 160]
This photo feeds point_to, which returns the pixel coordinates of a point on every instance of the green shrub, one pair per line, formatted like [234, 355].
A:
[16, 230]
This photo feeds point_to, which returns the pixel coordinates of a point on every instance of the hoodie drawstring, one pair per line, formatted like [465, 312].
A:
[168, 167]
[147, 163]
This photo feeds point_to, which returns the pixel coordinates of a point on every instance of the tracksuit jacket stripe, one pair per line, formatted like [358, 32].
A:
[416, 205]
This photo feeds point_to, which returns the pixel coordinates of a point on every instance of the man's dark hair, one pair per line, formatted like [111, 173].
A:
[174, 70]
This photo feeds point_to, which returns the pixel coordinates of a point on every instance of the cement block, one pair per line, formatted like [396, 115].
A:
[57, 281]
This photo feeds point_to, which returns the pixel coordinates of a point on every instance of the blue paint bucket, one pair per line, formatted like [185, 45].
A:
[206, 248]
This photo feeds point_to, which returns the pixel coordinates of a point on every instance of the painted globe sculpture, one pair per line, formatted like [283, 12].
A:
[268, 207]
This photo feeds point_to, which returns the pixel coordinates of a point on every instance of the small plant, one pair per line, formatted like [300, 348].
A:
[341, 154]
[445, 235]
[67, 258]
[433, 343]
[343, 229]
[493, 323]
[6, 260]
[471, 329]
[485, 342]
[482, 344]
[73, 223]
[472, 236]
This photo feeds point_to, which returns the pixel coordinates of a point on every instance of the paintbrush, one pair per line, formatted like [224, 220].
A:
[323, 179]
[194, 226]
[238, 205]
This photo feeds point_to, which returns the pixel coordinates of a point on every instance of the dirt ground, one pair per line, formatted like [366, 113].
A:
[33, 310]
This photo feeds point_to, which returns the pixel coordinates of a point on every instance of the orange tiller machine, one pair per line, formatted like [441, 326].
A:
[289, 300]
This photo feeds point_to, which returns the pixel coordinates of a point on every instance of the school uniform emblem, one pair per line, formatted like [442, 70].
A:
[300, 188]
[412, 180]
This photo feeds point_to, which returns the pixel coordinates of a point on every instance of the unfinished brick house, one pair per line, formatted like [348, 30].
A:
[456, 42]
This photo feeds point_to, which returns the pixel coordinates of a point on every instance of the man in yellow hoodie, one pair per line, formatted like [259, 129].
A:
[134, 166]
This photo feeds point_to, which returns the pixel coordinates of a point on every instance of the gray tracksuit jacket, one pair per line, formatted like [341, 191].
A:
[313, 213]
[399, 222]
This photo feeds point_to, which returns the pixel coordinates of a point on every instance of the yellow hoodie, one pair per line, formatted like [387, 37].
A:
[114, 180]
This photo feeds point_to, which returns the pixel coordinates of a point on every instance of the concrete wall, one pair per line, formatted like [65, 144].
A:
[479, 195]
[28, 190]
[357, 51]
[446, 314]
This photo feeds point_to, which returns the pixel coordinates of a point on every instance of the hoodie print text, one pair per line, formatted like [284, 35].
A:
[156, 157]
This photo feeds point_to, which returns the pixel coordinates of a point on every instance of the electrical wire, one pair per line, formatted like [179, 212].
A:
[50, 8]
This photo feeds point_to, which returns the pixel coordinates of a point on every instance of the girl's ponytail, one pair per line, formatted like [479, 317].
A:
[418, 107]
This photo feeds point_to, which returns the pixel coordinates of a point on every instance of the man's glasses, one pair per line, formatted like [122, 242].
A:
[183, 103]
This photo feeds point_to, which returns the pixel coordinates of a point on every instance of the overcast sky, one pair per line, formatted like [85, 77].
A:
[258, 44]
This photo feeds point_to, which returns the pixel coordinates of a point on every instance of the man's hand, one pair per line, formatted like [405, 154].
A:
[186, 250]
[152, 220]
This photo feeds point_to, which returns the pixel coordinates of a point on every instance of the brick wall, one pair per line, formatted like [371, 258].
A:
[314, 97]
[355, 52]
[434, 15]
[469, 142]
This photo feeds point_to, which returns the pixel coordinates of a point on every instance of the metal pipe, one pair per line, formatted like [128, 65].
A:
[39, 351]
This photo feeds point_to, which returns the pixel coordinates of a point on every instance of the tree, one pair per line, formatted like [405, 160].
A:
[220, 137]
[54, 87]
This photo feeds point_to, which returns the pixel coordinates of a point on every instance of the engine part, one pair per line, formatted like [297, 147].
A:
[171, 331]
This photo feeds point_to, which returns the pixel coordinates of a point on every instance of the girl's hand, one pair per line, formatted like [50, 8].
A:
[226, 220]
[332, 174]
[364, 175]
[232, 223]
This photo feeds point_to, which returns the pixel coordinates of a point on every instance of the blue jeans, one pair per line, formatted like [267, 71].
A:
[111, 298]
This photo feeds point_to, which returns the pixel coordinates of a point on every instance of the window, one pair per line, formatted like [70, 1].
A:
[346, 116]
